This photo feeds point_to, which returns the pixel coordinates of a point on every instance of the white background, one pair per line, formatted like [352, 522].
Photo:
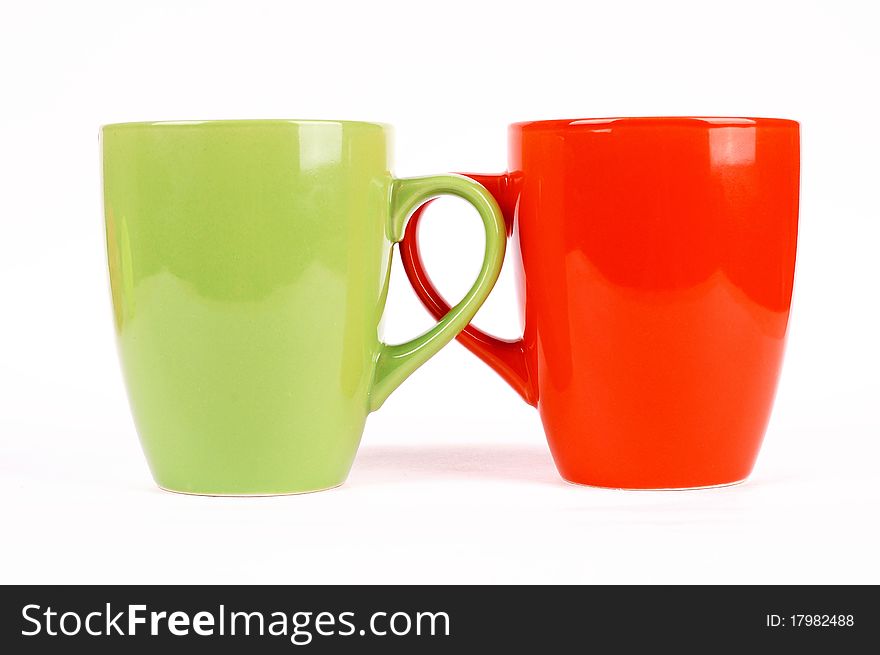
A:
[454, 482]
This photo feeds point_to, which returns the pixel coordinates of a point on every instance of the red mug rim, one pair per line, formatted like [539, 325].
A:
[655, 121]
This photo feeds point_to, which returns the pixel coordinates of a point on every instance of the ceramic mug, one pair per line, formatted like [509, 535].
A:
[655, 259]
[249, 265]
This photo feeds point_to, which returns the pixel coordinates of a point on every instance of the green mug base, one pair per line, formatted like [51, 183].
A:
[256, 494]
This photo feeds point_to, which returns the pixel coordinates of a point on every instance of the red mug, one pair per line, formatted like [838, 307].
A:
[655, 259]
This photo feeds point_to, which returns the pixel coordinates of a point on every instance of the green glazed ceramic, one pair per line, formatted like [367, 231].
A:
[249, 265]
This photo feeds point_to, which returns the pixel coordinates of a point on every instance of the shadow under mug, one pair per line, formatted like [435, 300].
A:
[655, 260]
[249, 265]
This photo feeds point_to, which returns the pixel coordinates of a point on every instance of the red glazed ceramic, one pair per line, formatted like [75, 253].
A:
[655, 258]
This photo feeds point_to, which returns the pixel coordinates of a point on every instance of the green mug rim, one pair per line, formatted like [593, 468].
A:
[244, 122]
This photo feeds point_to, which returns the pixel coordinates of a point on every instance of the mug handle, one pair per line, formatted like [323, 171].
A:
[507, 358]
[396, 363]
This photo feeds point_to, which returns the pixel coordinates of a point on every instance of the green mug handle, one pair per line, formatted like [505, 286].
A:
[398, 362]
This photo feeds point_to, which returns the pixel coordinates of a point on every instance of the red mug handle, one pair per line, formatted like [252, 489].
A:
[506, 357]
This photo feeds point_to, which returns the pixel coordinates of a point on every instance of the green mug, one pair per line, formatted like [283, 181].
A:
[249, 265]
